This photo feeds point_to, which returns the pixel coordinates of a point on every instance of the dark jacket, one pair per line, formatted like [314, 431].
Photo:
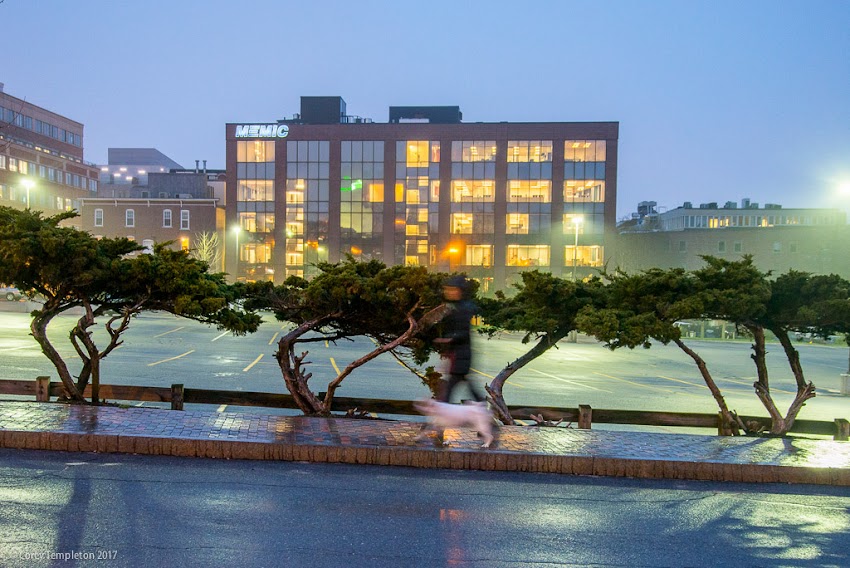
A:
[456, 328]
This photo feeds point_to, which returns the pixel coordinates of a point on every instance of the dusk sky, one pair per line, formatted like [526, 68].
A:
[717, 100]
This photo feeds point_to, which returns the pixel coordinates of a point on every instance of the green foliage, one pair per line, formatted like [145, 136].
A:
[543, 305]
[67, 268]
[351, 298]
[61, 264]
[642, 307]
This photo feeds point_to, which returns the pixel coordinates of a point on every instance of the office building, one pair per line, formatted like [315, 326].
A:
[423, 189]
[41, 158]
[778, 238]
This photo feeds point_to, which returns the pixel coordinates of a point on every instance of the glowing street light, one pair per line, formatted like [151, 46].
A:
[577, 220]
[28, 184]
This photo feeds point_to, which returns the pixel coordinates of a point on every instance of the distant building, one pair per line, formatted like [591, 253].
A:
[148, 221]
[148, 173]
[779, 239]
[41, 158]
[424, 189]
[131, 166]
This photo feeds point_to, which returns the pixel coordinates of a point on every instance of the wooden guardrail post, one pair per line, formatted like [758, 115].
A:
[176, 397]
[842, 429]
[42, 389]
[585, 416]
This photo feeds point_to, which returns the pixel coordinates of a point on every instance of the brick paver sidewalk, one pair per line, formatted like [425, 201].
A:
[54, 426]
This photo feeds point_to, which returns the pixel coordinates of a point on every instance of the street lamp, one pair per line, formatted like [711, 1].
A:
[236, 230]
[577, 220]
[28, 184]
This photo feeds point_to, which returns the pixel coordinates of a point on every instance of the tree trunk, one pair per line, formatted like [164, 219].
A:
[494, 389]
[805, 391]
[333, 385]
[762, 384]
[38, 327]
[793, 357]
[293, 375]
[731, 423]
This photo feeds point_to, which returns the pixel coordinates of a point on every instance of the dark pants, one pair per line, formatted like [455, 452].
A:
[453, 381]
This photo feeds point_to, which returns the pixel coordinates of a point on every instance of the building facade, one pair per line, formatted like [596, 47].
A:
[778, 239]
[191, 224]
[41, 158]
[424, 189]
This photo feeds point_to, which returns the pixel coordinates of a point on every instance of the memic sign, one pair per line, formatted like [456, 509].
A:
[262, 131]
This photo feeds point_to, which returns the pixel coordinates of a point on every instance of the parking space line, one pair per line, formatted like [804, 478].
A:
[257, 360]
[632, 382]
[570, 382]
[492, 377]
[221, 408]
[220, 336]
[750, 384]
[170, 358]
[172, 331]
[681, 381]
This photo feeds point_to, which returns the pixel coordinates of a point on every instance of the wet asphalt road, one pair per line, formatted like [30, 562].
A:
[163, 511]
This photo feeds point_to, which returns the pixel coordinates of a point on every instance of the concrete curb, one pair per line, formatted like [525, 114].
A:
[443, 458]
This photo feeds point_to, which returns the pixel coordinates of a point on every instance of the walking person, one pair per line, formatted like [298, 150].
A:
[456, 337]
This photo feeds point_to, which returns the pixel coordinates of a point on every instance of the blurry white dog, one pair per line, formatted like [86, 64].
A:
[442, 415]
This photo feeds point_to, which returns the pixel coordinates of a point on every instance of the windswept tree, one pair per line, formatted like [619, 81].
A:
[395, 307]
[646, 306]
[70, 269]
[544, 309]
[795, 302]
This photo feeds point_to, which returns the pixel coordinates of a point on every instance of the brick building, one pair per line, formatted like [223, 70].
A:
[41, 158]
[488, 199]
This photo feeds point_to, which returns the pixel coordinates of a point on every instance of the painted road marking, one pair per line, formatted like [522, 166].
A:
[172, 331]
[273, 338]
[492, 377]
[18, 348]
[257, 360]
[170, 358]
[221, 408]
[632, 382]
[338, 372]
[220, 336]
[570, 382]
[750, 382]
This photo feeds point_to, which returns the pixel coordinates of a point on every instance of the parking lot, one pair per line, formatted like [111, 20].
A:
[161, 349]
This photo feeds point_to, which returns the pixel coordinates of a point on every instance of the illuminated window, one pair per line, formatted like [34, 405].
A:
[538, 191]
[578, 191]
[473, 190]
[462, 223]
[255, 151]
[517, 224]
[474, 151]
[584, 151]
[529, 151]
[479, 255]
[528, 255]
[418, 154]
[255, 190]
[375, 193]
[184, 244]
[583, 256]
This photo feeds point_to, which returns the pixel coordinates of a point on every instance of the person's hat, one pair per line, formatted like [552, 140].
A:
[457, 282]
